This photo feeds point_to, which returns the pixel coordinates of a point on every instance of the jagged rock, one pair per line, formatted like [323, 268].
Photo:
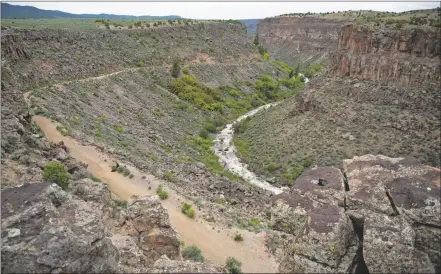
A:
[152, 225]
[366, 180]
[390, 196]
[325, 240]
[89, 190]
[165, 265]
[45, 229]
[388, 246]
[132, 259]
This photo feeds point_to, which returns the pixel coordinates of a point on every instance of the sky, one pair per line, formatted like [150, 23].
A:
[223, 10]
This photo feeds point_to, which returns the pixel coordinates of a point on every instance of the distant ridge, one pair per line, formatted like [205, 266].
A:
[9, 11]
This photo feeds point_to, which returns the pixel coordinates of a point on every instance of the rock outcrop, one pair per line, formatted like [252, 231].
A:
[45, 229]
[407, 57]
[299, 39]
[382, 215]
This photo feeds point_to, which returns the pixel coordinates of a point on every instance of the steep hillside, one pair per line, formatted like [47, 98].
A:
[112, 89]
[392, 111]
[295, 39]
[58, 54]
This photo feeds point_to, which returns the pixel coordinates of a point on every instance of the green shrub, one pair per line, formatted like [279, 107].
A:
[238, 237]
[187, 210]
[63, 130]
[193, 253]
[189, 89]
[307, 163]
[54, 172]
[203, 133]
[254, 222]
[161, 193]
[190, 213]
[119, 129]
[121, 169]
[175, 69]
[169, 176]
[256, 39]
[233, 265]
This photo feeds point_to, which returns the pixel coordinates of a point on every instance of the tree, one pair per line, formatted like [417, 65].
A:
[296, 72]
[256, 40]
[175, 69]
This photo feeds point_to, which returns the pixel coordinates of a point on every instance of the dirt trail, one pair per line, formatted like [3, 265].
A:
[216, 242]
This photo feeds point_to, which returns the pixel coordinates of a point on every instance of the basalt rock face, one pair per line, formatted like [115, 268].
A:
[299, 39]
[407, 57]
[45, 229]
[381, 216]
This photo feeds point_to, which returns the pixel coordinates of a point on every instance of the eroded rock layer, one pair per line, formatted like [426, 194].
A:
[407, 57]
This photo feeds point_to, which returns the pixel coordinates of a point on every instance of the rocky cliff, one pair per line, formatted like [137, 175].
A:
[45, 229]
[407, 57]
[299, 39]
[381, 215]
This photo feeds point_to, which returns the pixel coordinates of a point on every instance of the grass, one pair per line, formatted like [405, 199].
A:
[238, 237]
[94, 178]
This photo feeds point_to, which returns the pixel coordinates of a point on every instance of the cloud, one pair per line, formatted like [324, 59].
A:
[223, 10]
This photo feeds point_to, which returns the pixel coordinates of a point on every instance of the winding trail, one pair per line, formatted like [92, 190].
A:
[216, 242]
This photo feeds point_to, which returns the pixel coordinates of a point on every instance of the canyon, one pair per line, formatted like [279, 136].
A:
[317, 170]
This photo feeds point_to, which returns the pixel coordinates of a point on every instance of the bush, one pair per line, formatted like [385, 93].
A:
[187, 210]
[203, 133]
[233, 265]
[169, 176]
[193, 253]
[238, 237]
[161, 193]
[54, 172]
[120, 129]
[175, 69]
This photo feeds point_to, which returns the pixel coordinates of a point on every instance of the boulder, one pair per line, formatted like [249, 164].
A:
[150, 221]
[324, 236]
[391, 195]
[165, 265]
[389, 246]
[132, 259]
[91, 191]
[46, 230]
